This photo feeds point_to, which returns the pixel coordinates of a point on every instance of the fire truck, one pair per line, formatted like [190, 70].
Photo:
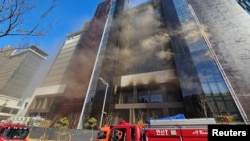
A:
[158, 130]
[13, 132]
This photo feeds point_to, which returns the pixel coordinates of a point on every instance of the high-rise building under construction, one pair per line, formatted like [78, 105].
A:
[157, 59]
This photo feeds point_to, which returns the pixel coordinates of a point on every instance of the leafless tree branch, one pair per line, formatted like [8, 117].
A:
[15, 20]
[203, 105]
[110, 118]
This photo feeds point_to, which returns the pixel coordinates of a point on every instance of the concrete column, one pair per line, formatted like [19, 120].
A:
[131, 115]
[135, 95]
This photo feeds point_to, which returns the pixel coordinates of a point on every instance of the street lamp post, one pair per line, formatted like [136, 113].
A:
[104, 100]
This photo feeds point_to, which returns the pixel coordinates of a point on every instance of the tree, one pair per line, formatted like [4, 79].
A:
[91, 123]
[110, 118]
[15, 20]
[141, 123]
[45, 124]
[202, 100]
[140, 116]
[63, 125]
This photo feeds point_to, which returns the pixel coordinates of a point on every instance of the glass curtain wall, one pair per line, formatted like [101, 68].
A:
[217, 97]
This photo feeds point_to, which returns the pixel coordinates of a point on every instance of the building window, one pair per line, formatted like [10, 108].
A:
[156, 96]
[151, 95]
[143, 96]
[127, 97]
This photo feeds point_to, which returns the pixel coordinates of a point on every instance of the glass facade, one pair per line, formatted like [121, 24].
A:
[228, 32]
[245, 4]
[88, 105]
[145, 69]
[218, 98]
[153, 39]
[142, 46]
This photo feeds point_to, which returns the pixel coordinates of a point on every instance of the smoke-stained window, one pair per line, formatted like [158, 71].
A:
[127, 97]
[146, 42]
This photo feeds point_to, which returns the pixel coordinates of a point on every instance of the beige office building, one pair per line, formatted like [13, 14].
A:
[17, 69]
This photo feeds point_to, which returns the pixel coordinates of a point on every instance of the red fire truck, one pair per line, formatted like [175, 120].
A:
[13, 132]
[158, 130]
